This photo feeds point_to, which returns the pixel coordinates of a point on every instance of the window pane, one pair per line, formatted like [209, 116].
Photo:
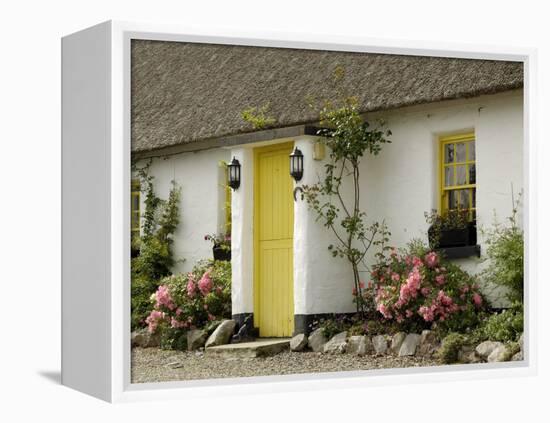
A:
[463, 198]
[135, 220]
[135, 202]
[451, 200]
[461, 152]
[472, 174]
[448, 176]
[461, 175]
[473, 197]
[472, 151]
[449, 153]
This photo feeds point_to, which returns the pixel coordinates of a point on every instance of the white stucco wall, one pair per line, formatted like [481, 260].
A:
[322, 283]
[242, 236]
[400, 184]
[202, 200]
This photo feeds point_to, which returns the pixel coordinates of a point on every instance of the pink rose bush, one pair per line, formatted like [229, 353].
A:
[417, 290]
[187, 301]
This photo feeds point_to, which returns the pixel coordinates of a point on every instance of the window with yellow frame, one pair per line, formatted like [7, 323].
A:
[458, 174]
[134, 208]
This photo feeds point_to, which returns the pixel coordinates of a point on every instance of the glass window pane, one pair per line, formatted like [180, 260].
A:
[448, 176]
[472, 151]
[473, 197]
[451, 200]
[461, 175]
[463, 198]
[135, 220]
[472, 174]
[461, 152]
[135, 202]
[449, 153]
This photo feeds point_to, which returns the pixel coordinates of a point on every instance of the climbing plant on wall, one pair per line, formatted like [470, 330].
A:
[349, 137]
[155, 258]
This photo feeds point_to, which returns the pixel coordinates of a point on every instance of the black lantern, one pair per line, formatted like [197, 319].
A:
[297, 164]
[234, 173]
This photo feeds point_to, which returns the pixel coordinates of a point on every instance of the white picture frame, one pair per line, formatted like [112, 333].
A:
[96, 228]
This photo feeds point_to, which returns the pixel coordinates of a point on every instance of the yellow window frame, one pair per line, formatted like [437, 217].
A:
[135, 215]
[468, 139]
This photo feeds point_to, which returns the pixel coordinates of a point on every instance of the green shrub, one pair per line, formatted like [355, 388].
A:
[173, 339]
[155, 258]
[141, 306]
[416, 288]
[505, 253]
[450, 346]
[506, 326]
[334, 325]
[357, 328]
[199, 299]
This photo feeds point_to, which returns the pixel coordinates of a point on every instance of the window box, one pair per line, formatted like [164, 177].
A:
[455, 237]
[457, 243]
[220, 253]
[461, 252]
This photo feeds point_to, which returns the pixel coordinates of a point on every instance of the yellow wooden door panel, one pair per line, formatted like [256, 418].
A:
[273, 232]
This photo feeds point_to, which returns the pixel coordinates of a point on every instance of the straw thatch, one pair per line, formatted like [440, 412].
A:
[186, 92]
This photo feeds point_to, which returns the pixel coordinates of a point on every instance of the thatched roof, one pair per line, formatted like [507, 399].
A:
[187, 92]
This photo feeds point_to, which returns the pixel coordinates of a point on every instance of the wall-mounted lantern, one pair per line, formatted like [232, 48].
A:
[297, 164]
[234, 174]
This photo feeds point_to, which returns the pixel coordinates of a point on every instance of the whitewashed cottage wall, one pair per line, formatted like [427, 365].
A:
[202, 200]
[398, 186]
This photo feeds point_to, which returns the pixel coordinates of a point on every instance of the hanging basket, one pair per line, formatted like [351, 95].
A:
[220, 253]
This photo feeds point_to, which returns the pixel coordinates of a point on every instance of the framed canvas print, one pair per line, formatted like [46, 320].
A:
[239, 211]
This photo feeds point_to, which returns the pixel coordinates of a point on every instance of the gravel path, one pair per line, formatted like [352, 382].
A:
[155, 365]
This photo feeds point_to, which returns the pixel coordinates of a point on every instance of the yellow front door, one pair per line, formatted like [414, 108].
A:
[273, 232]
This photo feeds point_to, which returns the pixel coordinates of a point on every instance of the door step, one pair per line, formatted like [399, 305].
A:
[259, 348]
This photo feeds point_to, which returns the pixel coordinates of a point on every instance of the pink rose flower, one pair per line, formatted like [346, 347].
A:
[153, 320]
[477, 299]
[191, 287]
[205, 283]
[163, 298]
[431, 259]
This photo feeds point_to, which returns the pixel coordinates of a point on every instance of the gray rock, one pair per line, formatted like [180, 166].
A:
[380, 344]
[196, 339]
[499, 354]
[337, 344]
[468, 355]
[517, 356]
[138, 338]
[143, 338]
[316, 340]
[485, 349]
[428, 337]
[299, 342]
[396, 341]
[429, 343]
[409, 345]
[222, 335]
[359, 345]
